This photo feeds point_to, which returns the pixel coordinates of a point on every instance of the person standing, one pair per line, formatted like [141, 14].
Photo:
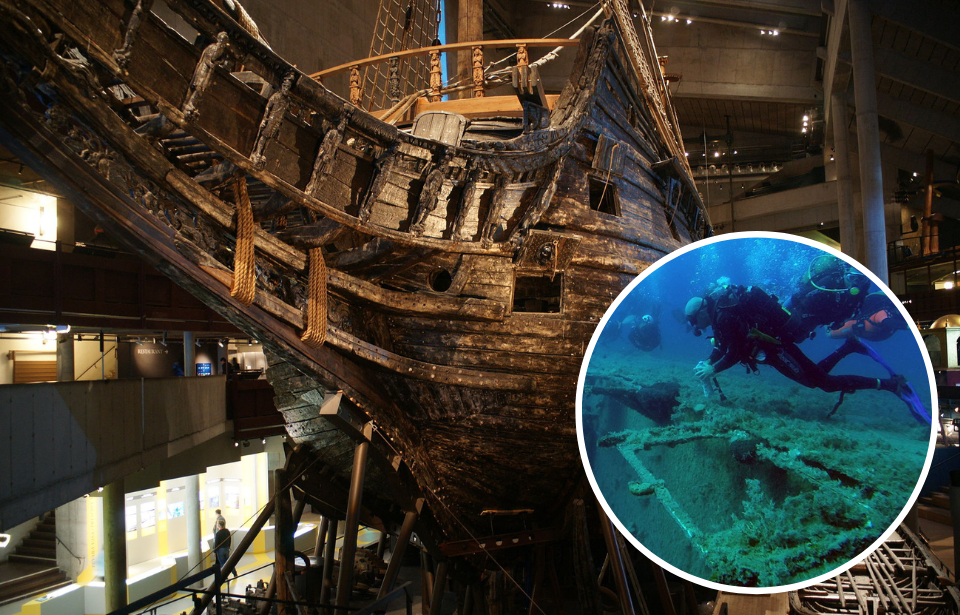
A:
[219, 521]
[221, 541]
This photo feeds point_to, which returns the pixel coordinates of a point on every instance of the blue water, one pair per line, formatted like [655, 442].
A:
[838, 482]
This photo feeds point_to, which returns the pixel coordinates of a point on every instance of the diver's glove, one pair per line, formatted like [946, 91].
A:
[704, 370]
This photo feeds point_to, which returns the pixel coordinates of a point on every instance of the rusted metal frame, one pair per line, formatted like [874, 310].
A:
[349, 550]
[616, 564]
[500, 541]
[393, 568]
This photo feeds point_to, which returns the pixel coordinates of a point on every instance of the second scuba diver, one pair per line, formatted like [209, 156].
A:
[750, 327]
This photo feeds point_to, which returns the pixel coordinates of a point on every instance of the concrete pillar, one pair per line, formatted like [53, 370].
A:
[65, 358]
[868, 137]
[189, 355]
[841, 146]
[192, 513]
[114, 546]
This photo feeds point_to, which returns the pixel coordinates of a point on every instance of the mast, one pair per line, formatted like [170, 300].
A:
[469, 28]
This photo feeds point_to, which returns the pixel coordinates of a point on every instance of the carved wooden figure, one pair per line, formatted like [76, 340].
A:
[523, 56]
[436, 78]
[356, 87]
[215, 54]
[478, 72]
[272, 118]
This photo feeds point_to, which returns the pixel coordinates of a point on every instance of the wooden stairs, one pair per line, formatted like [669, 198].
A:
[32, 569]
[936, 507]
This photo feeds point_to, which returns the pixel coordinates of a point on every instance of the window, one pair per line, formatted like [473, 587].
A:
[538, 294]
[603, 196]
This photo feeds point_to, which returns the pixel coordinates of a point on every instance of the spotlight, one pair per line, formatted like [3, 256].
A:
[220, 343]
[236, 444]
[914, 173]
[831, 157]
[99, 489]
[263, 440]
[806, 118]
[163, 342]
[687, 154]
[198, 343]
[139, 343]
[689, 21]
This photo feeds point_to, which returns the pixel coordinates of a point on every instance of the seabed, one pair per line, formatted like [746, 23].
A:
[760, 490]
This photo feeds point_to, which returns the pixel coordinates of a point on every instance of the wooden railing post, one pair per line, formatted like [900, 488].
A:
[436, 79]
[478, 77]
[356, 88]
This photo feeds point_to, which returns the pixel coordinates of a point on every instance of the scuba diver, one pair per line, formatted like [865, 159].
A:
[831, 293]
[644, 331]
[876, 321]
[751, 327]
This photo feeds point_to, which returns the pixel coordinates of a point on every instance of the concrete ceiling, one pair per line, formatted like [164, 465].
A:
[731, 66]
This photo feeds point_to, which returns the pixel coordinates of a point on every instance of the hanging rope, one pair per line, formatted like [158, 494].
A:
[316, 331]
[244, 265]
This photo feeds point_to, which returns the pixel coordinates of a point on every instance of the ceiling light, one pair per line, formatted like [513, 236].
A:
[558, 5]
[663, 18]
[263, 440]
[689, 21]
[220, 343]
[914, 174]
[805, 123]
[734, 151]
[804, 129]
[687, 154]
[831, 157]
[716, 154]
[775, 33]
[236, 444]
[806, 118]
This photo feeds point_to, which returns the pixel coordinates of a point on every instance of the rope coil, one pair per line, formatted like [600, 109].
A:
[316, 318]
[244, 287]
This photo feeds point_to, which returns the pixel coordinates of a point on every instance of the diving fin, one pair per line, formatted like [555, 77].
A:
[906, 392]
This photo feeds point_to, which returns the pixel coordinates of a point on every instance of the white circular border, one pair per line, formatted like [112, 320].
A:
[934, 412]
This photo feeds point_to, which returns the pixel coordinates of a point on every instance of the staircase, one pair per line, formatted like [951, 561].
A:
[32, 568]
[936, 507]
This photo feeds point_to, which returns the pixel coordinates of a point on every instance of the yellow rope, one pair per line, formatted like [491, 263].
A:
[244, 266]
[316, 331]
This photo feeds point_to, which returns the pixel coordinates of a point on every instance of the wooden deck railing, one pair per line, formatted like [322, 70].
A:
[435, 53]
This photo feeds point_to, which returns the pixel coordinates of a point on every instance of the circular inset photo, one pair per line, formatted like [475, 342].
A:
[754, 412]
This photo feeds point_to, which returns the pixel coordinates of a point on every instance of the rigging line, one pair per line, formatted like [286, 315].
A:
[502, 60]
[500, 566]
[256, 514]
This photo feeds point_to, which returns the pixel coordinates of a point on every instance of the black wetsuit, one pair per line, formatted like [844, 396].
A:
[748, 327]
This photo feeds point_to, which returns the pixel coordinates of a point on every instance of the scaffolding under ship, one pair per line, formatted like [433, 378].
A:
[445, 280]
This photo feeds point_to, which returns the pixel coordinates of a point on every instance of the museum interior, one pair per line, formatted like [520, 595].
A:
[327, 270]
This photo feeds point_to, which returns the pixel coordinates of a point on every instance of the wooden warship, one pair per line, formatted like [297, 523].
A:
[425, 295]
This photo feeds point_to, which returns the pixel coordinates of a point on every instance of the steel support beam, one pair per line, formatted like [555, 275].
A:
[396, 558]
[349, 550]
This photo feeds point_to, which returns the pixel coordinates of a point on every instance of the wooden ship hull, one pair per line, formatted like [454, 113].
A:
[902, 576]
[446, 285]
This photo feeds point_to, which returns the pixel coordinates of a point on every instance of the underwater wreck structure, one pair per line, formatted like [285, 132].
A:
[425, 291]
